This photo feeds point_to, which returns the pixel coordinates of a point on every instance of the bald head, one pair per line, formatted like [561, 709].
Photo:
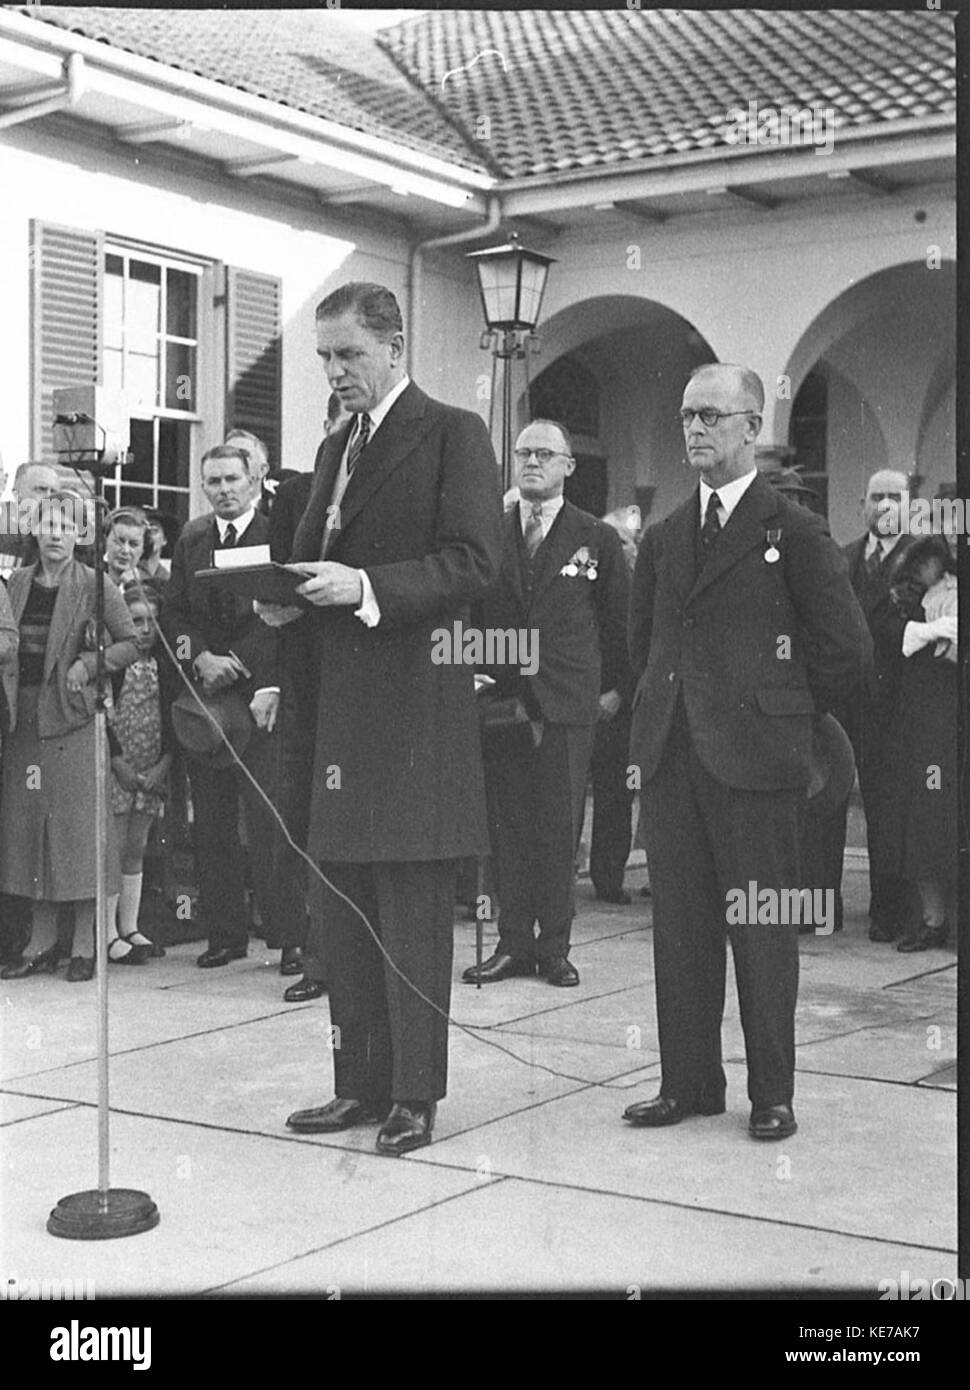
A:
[884, 499]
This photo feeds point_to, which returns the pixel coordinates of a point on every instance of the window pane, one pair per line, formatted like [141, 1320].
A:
[113, 376]
[180, 305]
[113, 301]
[179, 376]
[173, 453]
[143, 306]
[141, 380]
[142, 448]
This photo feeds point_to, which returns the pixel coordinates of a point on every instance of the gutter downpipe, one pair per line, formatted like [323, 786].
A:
[412, 322]
[66, 97]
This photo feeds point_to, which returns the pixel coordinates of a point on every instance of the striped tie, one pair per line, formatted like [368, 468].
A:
[359, 444]
[533, 530]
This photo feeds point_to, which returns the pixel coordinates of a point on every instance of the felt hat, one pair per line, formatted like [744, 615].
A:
[203, 724]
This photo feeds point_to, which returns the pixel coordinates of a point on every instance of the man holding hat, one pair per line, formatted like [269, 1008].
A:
[742, 626]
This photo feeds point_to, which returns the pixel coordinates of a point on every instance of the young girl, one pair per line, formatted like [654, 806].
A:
[141, 741]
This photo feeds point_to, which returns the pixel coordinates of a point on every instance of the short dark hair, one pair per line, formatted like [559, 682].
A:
[141, 591]
[250, 438]
[226, 451]
[374, 305]
[567, 438]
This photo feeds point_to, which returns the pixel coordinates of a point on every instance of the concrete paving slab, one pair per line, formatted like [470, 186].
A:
[945, 1079]
[230, 1204]
[896, 1053]
[519, 1235]
[815, 1179]
[14, 1108]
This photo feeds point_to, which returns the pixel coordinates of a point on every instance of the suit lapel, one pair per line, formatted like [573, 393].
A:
[308, 537]
[566, 535]
[401, 431]
[743, 532]
[679, 551]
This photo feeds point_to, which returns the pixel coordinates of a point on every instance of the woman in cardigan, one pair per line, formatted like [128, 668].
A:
[47, 829]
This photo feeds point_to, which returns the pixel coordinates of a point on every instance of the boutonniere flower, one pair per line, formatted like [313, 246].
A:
[582, 563]
[271, 485]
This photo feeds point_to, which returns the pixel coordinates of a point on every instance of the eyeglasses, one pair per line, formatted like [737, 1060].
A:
[709, 418]
[542, 455]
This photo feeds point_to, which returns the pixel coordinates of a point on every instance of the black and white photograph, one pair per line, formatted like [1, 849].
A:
[480, 520]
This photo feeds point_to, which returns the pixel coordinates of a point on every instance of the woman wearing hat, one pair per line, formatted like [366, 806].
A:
[921, 802]
[47, 830]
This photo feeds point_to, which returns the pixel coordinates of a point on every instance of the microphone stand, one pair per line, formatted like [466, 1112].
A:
[104, 1212]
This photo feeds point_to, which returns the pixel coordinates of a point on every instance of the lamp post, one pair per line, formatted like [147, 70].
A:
[511, 281]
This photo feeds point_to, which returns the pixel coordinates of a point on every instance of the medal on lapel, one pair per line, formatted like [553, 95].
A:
[772, 553]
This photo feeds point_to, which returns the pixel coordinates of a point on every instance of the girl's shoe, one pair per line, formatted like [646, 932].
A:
[144, 944]
[81, 968]
[44, 964]
[924, 938]
[121, 953]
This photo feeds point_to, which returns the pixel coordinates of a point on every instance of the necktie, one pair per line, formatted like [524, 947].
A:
[533, 529]
[874, 562]
[712, 523]
[359, 444]
[229, 536]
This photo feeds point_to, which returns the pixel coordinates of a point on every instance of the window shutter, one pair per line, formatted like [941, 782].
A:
[254, 357]
[66, 289]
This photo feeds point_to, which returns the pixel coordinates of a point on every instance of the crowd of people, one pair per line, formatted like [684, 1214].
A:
[659, 677]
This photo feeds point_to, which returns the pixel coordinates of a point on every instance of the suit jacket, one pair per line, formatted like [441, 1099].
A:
[58, 710]
[581, 623]
[198, 617]
[422, 515]
[9, 644]
[716, 639]
[878, 699]
[291, 502]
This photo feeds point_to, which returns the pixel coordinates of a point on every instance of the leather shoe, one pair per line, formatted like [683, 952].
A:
[664, 1110]
[341, 1113]
[924, 938]
[559, 971]
[616, 895]
[879, 931]
[303, 990]
[772, 1122]
[407, 1127]
[44, 964]
[497, 967]
[220, 955]
[291, 961]
[81, 968]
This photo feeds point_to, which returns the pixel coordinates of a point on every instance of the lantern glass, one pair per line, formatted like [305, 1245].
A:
[499, 281]
[512, 281]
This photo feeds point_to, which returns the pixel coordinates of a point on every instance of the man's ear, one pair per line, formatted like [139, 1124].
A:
[570, 467]
[754, 425]
[396, 344]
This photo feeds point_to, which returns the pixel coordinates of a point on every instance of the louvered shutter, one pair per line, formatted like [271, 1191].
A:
[254, 356]
[66, 290]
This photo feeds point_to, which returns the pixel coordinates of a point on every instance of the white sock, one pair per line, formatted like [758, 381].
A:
[128, 906]
[113, 914]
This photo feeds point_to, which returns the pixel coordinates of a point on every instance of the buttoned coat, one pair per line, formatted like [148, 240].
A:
[754, 645]
[397, 769]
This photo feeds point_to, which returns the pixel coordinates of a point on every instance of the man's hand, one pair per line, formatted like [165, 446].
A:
[277, 614]
[330, 584]
[126, 774]
[217, 672]
[264, 707]
[610, 703]
[154, 779]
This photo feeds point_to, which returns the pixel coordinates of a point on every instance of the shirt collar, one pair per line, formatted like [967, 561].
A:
[240, 522]
[550, 508]
[729, 494]
[886, 544]
[383, 406]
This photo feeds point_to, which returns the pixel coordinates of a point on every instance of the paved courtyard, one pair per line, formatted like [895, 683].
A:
[533, 1181]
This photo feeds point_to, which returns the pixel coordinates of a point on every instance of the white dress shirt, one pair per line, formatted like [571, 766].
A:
[728, 496]
[885, 544]
[369, 611]
[551, 507]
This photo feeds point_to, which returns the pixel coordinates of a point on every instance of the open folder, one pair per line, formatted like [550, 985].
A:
[249, 572]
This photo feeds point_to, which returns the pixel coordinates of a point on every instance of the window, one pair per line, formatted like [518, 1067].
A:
[151, 351]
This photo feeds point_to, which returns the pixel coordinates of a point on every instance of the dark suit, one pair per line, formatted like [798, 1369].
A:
[868, 718]
[199, 617]
[733, 653]
[398, 791]
[536, 793]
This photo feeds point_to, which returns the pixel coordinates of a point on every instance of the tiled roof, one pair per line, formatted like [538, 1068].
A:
[306, 59]
[587, 88]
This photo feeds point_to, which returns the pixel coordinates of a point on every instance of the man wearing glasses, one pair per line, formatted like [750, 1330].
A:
[743, 624]
[564, 580]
